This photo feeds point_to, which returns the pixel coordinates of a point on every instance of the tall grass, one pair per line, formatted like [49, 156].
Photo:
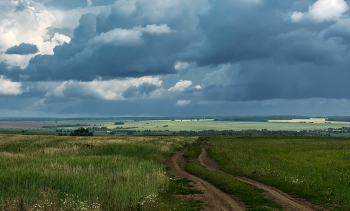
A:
[312, 168]
[115, 173]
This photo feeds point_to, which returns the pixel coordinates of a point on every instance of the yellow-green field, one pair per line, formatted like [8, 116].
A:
[227, 125]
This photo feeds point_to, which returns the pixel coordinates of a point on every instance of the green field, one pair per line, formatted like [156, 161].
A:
[121, 173]
[317, 169]
[167, 126]
[227, 125]
[96, 173]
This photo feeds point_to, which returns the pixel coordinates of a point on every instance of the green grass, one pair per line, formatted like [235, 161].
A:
[193, 151]
[182, 186]
[176, 188]
[317, 169]
[251, 196]
[115, 173]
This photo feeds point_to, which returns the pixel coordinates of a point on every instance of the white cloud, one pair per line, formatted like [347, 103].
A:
[48, 46]
[181, 85]
[106, 90]
[70, 18]
[119, 37]
[179, 66]
[155, 29]
[124, 7]
[127, 37]
[89, 3]
[8, 87]
[27, 26]
[183, 102]
[322, 10]
[198, 87]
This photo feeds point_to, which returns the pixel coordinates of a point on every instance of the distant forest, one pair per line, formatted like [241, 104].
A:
[257, 118]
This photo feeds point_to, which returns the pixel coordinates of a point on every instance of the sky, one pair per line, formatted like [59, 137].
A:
[82, 58]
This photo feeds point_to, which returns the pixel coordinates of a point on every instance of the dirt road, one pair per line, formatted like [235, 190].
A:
[288, 202]
[214, 198]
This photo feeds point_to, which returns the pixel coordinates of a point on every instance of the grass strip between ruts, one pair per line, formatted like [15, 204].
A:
[249, 195]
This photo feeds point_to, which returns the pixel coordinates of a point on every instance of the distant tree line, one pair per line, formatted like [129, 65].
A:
[339, 118]
[81, 132]
[119, 123]
[76, 125]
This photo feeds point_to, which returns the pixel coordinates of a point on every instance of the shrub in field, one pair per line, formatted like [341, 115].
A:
[81, 132]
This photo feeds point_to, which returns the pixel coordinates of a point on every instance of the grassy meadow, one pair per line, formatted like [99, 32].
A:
[317, 169]
[46, 173]
[86, 173]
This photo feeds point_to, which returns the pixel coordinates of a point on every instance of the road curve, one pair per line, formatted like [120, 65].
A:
[288, 202]
[214, 198]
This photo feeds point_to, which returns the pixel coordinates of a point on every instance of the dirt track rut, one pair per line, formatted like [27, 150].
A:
[214, 198]
[288, 202]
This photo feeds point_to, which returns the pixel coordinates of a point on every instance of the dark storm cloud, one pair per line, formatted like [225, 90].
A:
[246, 51]
[143, 89]
[238, 31]
[11, 72]
[20, 7]
[137, 107]
[22, 49]
[268, 80]
[206, 34]
[94, 53]
[339, 30]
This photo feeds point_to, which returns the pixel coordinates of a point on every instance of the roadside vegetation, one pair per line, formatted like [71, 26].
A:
[316, 169]
[249, 195]
[89, 173]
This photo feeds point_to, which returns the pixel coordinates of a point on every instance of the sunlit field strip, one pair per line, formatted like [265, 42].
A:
[312, 168]
[227, 125]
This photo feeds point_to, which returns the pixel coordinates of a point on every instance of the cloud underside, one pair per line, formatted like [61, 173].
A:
[183, 54]
[22, 49]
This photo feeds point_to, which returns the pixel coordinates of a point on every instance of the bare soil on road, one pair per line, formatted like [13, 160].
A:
[288, 202]
[214, 199]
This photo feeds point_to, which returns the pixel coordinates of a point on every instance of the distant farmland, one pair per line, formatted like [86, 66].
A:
[177, 125]
[40, 124]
